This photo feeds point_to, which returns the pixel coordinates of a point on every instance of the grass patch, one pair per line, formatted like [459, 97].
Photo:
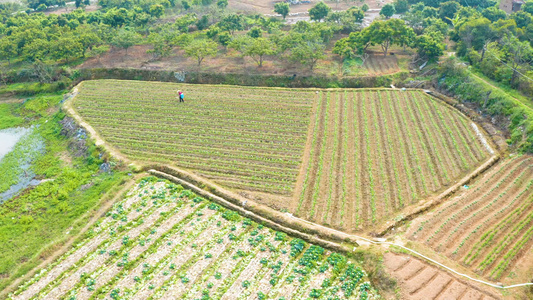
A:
[37, 222]
[7, 117]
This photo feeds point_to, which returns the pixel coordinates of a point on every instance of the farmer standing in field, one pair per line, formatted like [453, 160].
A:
[182, 96]
[179, 95]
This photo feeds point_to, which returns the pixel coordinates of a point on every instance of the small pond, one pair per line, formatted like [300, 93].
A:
[19, 147]
[9, 138]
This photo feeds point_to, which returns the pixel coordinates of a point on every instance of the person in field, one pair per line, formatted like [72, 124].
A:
[179, 95]
[182, 96]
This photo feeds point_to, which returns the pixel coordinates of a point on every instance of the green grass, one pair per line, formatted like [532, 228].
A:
[7, 119]
[504, 88]
[35, 223]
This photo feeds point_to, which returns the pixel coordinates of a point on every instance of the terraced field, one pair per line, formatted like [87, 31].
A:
[348, 159]
[163, 242]
[379, 64]
[419, 280]
[375, 152]
[489, 226]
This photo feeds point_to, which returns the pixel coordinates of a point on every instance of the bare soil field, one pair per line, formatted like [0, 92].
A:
[232, 62]
[420, 281]
[487, 227]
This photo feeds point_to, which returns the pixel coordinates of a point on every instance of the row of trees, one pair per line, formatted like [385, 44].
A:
[498, 45]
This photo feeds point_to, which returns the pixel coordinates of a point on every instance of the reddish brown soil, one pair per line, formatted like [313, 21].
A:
[267, 6]
[226, 62]
[419, 280]
[393, 158]
[492, 206]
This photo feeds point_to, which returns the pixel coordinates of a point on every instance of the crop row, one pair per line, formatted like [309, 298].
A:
[390, 147]
[487, 228]
[243, 137]
[193, 249]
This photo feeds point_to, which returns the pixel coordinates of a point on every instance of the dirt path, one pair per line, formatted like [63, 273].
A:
[104, 207]
[420, 280]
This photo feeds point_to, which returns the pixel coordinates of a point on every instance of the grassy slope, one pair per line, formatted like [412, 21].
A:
[35, 223]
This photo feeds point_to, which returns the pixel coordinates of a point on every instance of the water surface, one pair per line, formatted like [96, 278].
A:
[9, 138]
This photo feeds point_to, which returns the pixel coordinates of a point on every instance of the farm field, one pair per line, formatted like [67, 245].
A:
[348, 159]
[419, 280]
[379, 65]
[163, 242]
[375, 152]
[242, 138]
[487, 227]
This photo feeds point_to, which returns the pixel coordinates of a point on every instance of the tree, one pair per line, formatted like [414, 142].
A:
[343, 48]
[447, 11]
[255, 32]
[203, 23]
[185, 4]
[125, 38]
[222, 4]
[157, 10]
[365, 7]
[232, 23]
[520, 54]
[282, 8]
[494, 14]
[258, 48]
[224, 38]
[319, 11]
[8, 49]
[160, 45]
[308, 53]
[522, 19]
[98, 51]
[200, 49]
[66, 47]
[78, 3]
[387, 33]
[401, 6]
[387, 11]
[528, 7]
[429, 47]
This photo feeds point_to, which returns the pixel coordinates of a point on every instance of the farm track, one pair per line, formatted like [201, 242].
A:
[196, 248]
[393, 157]
[487, 227]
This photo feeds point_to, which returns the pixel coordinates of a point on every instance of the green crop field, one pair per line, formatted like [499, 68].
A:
[376, 152]
[163, 242]
[243, 138]
[349, 159]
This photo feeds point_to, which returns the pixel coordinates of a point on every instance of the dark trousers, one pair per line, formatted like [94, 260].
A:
[181, 100]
